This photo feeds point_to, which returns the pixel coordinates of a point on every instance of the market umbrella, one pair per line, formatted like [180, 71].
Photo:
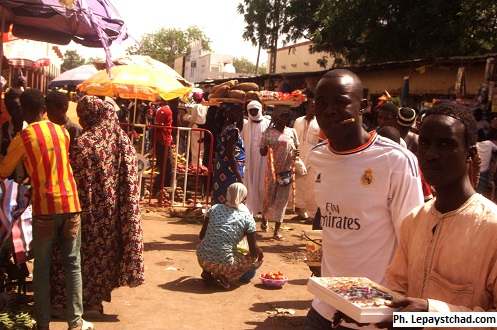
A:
[145, 60]
[134, 82]
[74, 76]
[92, 23]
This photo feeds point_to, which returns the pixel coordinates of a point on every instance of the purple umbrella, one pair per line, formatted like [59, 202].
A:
[92, 23]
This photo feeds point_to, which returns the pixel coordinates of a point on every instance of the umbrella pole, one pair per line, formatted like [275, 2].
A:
[1, 41]
[1, 50]
[134, 112]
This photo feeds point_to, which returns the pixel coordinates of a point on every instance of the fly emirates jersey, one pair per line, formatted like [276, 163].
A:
[362, 195]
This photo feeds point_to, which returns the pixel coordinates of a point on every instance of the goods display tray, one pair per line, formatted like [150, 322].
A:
[362, 310]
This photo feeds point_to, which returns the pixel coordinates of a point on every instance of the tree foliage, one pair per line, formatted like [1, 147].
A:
[265, 21]
[71, 60]
[167, 44]
[383, 30]
[379, 30]
[243, 65]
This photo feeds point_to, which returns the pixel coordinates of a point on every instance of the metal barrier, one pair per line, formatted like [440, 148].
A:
[186, 148]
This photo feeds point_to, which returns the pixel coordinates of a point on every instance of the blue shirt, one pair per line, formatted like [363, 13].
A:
[227, 226]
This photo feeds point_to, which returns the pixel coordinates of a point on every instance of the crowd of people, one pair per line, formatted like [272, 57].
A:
[403, 203]
[398, 204]
[87, 234]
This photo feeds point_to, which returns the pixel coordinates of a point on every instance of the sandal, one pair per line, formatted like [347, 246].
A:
[223, 282]
[278, 237]
[264, 226]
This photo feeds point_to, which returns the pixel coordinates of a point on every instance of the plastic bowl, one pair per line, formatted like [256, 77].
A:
[273, 283]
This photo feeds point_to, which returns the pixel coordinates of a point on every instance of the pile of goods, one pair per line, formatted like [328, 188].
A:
[193, 170]
[359, 292]
[233, 91]
[313, 250]
[273, 280]
[275, 98]
[357, 297]
[17, 321]
[273, 276]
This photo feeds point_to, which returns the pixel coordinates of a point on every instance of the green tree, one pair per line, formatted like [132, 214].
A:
[243, 65]
[71, 60]
[385, 30]
[93, 60]
[167, 44]
[265, 20]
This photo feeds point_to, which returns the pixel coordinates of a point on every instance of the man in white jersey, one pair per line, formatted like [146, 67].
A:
[364, 186]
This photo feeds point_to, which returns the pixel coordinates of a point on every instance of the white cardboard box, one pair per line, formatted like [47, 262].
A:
[317, 286]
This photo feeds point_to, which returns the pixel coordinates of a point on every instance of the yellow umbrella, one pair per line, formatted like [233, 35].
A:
[134, 82]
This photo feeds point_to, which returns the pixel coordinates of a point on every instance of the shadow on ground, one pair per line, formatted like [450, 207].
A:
[279, 323]
[193, 285]
[290, 304]
[161, 246]
[190, 243]
[101, 318]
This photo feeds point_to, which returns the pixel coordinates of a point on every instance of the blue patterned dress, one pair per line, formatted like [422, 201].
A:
[223, 175]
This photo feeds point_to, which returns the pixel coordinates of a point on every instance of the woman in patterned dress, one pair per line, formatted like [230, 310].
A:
[226, 224]
[230, 153]
[105, 168]
[280, 143]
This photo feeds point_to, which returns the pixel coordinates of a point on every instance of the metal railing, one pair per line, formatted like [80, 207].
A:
[186, 159]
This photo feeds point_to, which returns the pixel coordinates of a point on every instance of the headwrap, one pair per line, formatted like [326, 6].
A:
[92, 111]
[406, 117]
[198, 96]
[235, 196]
[255, 105]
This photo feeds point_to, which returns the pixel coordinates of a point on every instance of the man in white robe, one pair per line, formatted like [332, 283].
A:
[256, 165]
[307, 129]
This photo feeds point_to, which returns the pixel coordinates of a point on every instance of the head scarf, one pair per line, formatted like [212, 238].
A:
[92, 111]
[235, 196]
[255, 105]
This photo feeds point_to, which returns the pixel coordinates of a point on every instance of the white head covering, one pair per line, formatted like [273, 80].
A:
[255, 105]
[235, 196]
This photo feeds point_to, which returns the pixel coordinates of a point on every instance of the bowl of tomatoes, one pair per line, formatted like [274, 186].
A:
[273, 280]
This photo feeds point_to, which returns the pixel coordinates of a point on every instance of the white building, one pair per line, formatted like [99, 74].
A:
[39, 61]
[201, 65]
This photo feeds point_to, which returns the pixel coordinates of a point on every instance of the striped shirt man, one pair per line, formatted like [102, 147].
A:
[44, 147]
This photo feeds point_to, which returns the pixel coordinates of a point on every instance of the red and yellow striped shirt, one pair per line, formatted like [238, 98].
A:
[44, 147]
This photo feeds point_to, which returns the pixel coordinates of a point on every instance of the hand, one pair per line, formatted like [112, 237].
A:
[339, 317]
[408, 304]
[260, 255]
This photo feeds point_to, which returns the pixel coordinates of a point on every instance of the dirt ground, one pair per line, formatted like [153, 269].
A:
[174, 296]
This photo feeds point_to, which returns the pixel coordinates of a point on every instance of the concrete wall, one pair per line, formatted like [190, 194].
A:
[434, 80]
[178, 65]
[298, 58]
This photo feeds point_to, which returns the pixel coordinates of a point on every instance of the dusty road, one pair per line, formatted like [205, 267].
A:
[174, 296]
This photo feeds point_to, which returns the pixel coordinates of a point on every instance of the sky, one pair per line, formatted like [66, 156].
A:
[217, 18]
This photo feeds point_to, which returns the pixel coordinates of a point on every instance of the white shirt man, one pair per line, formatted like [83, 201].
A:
[255, 168]
[362, 195]
[485, 151]
[308, 135]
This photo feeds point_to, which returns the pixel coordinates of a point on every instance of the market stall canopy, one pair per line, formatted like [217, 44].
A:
[74, 76]
[148, 61]
[135, 82]
[92, 23]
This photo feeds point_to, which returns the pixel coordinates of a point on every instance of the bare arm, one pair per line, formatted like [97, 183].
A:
[204, 228]
[255, 251]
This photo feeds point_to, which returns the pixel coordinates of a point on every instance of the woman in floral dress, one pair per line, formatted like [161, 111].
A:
[280, 143]
[105, 168]
[229, 164]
